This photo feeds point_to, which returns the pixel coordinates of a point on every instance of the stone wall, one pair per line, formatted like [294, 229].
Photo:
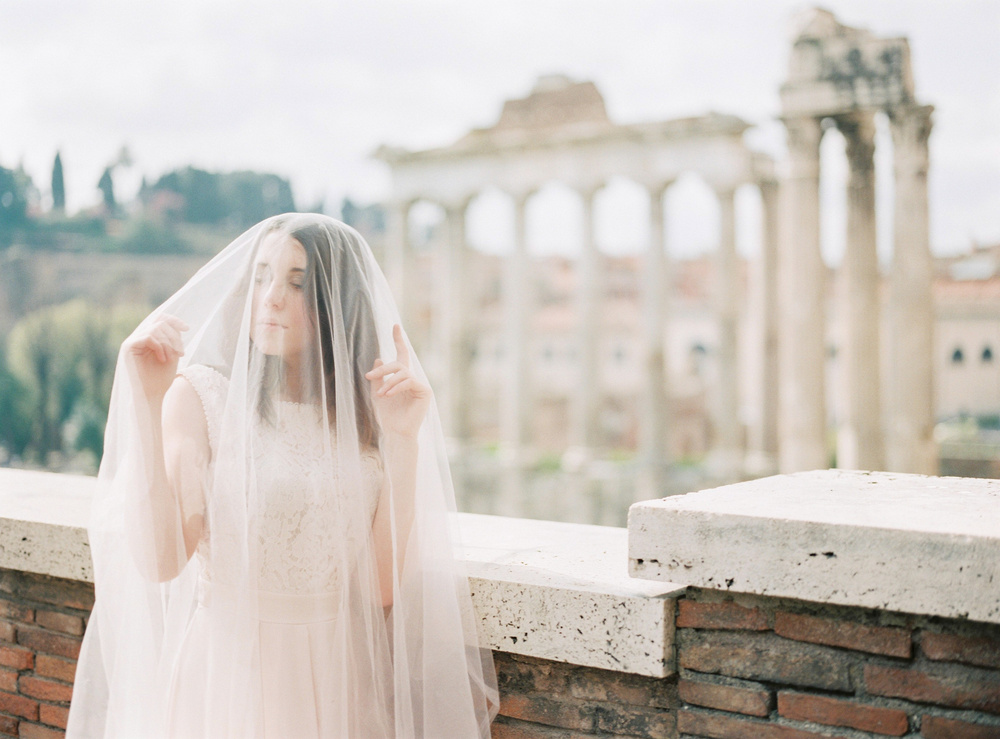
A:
[582, 650]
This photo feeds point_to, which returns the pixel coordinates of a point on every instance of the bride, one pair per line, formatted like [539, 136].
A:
[271, 541]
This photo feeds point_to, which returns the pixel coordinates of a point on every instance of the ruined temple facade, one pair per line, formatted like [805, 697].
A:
[781, 307]
[846, 76]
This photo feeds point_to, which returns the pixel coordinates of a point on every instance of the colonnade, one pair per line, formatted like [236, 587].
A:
[453, 340]
[902, 439]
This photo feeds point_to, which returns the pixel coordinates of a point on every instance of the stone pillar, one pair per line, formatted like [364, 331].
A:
[910, 432]
[397, 251]
[515, 399]
[515, 396]
[802, 288]
[764, 434]
[654, 404]
[451, 335]
[859, 438]
[585, 431]
[726, 458]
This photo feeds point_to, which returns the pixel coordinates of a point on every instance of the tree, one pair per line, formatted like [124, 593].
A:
[63, 358]
[58, 186]
[239, 199]
[15, 191]
[107, 187]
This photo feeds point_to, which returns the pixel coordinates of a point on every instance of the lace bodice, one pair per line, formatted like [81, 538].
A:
[303, 511]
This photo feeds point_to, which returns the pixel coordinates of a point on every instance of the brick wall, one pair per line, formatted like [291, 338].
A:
[41, 625]
[747, 667]
[541, 699]
[769, 668]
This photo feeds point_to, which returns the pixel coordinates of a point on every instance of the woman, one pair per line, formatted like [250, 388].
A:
[271, 536]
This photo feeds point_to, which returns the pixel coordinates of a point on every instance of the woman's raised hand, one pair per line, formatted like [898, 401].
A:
[154, 351]
[401, 400]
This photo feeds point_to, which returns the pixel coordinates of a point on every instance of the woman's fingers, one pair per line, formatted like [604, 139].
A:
[393, 381]
[174, 322]
[402, 352]
[399, 387]
[382, 369]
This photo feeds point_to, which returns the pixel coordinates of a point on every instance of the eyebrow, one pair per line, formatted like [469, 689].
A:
[293, 269]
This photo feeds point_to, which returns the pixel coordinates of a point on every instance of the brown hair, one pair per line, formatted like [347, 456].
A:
[335, 278]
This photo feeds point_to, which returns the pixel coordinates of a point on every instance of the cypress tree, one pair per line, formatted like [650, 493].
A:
[58, 186]
[107, 187]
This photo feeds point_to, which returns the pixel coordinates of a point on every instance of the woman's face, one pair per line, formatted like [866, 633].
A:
[280, 318]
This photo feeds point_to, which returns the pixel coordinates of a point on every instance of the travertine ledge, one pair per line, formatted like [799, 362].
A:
[541, 589]
[910, 543]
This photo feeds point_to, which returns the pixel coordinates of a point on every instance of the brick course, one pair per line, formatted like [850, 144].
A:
[749, 701]
[694, 615]
[969, 688]
[891, 641]
[936, 727]
[836, 712]
[982, 651]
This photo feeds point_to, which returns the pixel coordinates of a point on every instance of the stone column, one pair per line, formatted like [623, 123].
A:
[726, 457]
[515, 396]
[910, 439]
[515, 400]
[451, 335]
[764, 435]
[859, 438]
[654, 404]
[397, 250]
[585, 431]
[802, 288]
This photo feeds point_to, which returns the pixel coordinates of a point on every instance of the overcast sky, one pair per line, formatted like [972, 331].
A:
[310, 89]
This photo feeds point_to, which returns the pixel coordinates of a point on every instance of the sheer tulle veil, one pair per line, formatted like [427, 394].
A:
[299, 553]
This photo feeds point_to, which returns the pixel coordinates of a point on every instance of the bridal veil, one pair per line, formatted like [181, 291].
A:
[276, 617]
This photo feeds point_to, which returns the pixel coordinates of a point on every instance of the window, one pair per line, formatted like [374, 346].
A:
[957, 357]
[987, 354]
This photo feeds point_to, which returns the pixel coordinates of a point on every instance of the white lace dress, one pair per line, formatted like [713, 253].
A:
[298, 552]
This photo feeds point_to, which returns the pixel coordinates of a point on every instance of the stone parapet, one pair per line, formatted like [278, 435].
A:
[908, 543]
[541, 589]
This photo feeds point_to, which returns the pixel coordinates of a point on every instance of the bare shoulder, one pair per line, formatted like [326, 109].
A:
[183, 415]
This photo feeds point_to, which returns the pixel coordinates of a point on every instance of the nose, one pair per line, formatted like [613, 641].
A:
[275, 294]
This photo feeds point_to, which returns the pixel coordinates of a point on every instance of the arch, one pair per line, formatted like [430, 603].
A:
[554, 220]
[621, 213]
[490, 222]
[692, 217]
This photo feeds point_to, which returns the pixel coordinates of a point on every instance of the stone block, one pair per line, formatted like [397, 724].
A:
[893, 542]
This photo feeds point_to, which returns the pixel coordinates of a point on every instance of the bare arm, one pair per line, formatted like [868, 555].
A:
[401, 401]
[396, 502]
[166, 510]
